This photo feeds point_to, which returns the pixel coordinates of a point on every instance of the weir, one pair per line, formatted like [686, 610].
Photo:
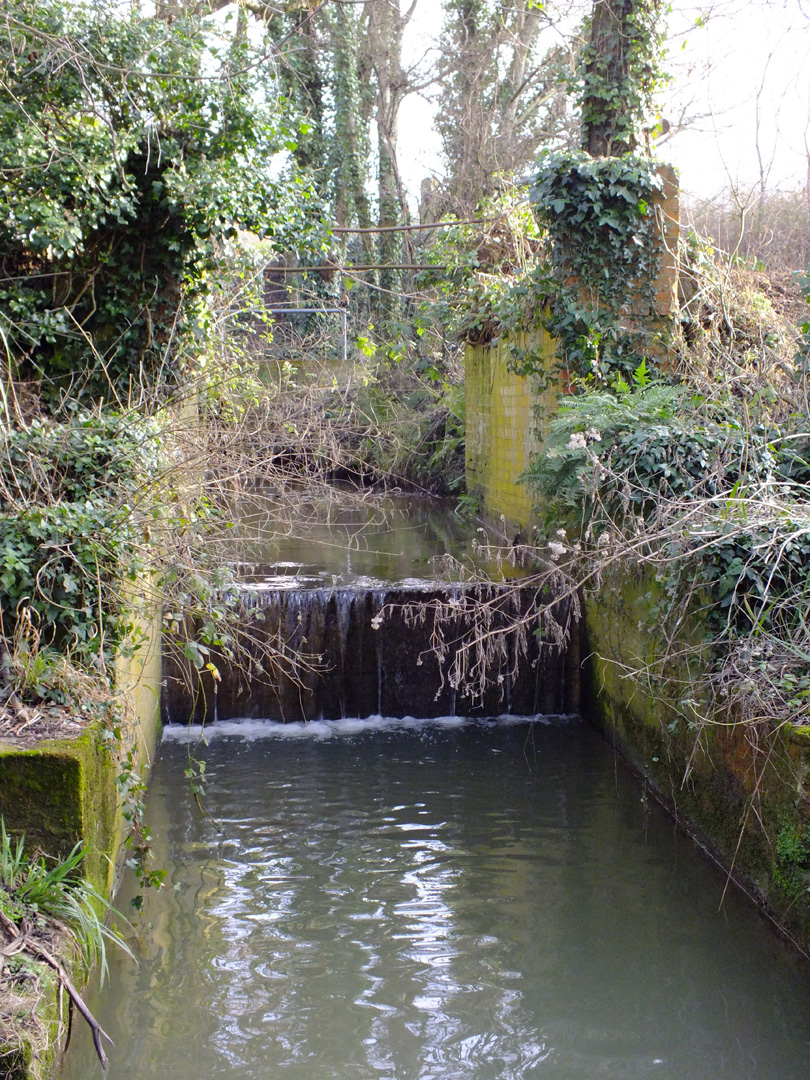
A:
[415, 648]
[356, 605]
[456, 894]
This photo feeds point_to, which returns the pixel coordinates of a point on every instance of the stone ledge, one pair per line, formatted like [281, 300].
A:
[58, 792]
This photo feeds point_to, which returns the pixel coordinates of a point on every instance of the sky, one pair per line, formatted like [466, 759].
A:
[740, 73]
[745, 75]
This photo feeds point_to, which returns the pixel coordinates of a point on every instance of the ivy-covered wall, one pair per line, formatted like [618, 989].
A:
[652, 318]
[506, 412]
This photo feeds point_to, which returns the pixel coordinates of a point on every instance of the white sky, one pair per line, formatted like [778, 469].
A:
[748, 72]
[744, 76]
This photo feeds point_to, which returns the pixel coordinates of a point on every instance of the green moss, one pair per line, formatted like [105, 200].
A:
[709, 774]
[15, 1060]
[10, 907]
[502, 436]
[61, 792]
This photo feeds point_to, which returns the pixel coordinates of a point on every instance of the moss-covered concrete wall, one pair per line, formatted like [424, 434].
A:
[741, 789]
[744, 792]
[506, 413]
[60, 791]
[504, 426]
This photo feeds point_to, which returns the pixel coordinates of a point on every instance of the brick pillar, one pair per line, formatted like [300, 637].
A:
[668, 214]
[651, 317]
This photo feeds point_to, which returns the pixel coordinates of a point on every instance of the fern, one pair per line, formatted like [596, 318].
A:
[588, 427]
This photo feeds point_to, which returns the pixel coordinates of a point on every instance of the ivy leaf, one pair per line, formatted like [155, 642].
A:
[70, 584]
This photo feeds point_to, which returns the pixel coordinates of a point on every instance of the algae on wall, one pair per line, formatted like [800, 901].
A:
[504, 433]
[57, 792]
[743, 790]
[62, 792]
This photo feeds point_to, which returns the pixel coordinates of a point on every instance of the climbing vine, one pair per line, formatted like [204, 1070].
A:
[618, 73]
[132, 150]
[605, 246]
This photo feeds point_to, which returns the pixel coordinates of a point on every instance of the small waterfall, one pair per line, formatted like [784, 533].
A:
[395, 650]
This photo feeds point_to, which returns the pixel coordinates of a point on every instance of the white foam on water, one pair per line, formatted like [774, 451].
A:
[252, 730]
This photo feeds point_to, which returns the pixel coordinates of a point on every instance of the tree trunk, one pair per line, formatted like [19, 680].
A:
[386, 25]
[524, 32]
[619, 75]
[347, 163]
[608, 68]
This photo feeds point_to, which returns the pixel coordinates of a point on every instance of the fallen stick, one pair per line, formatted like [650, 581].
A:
[41, 953]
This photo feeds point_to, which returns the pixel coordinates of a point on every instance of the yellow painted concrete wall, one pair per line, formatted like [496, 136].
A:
[505, 415]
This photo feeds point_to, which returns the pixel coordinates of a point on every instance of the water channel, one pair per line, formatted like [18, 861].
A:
[438, 900]
[346, 538]
[444, 898]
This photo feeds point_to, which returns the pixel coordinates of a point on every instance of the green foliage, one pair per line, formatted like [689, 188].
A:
[638, 433]
[618, 73]
[489, 280]
[791, 869]
[70, 530]
[88, 455]
[138, 843]
[615, 459]
[606, 250]
[131, 149]
[36, 887]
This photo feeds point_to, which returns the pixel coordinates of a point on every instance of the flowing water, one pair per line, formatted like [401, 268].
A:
[438, 900]
[336, 582]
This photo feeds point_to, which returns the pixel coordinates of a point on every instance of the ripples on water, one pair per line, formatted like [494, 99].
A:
[438, 900]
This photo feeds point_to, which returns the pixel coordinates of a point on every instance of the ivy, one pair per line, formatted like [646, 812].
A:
[131, 151]
[605, 254]
[791, 869]
[620, 456]
[618, 73]
[68, 530]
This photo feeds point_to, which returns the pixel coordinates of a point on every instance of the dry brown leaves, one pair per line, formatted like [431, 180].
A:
[29, 725]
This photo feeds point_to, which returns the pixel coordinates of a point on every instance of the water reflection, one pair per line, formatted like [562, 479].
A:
[350, 538]
[465, 903]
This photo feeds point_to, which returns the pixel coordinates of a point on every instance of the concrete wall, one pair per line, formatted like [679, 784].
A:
[736, 788]
[506, 413]
[504, 427]
[57, 792]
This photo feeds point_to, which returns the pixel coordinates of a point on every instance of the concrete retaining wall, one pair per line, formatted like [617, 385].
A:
[504, 426]
[739, 789]
[60, 791]
[744, 793]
